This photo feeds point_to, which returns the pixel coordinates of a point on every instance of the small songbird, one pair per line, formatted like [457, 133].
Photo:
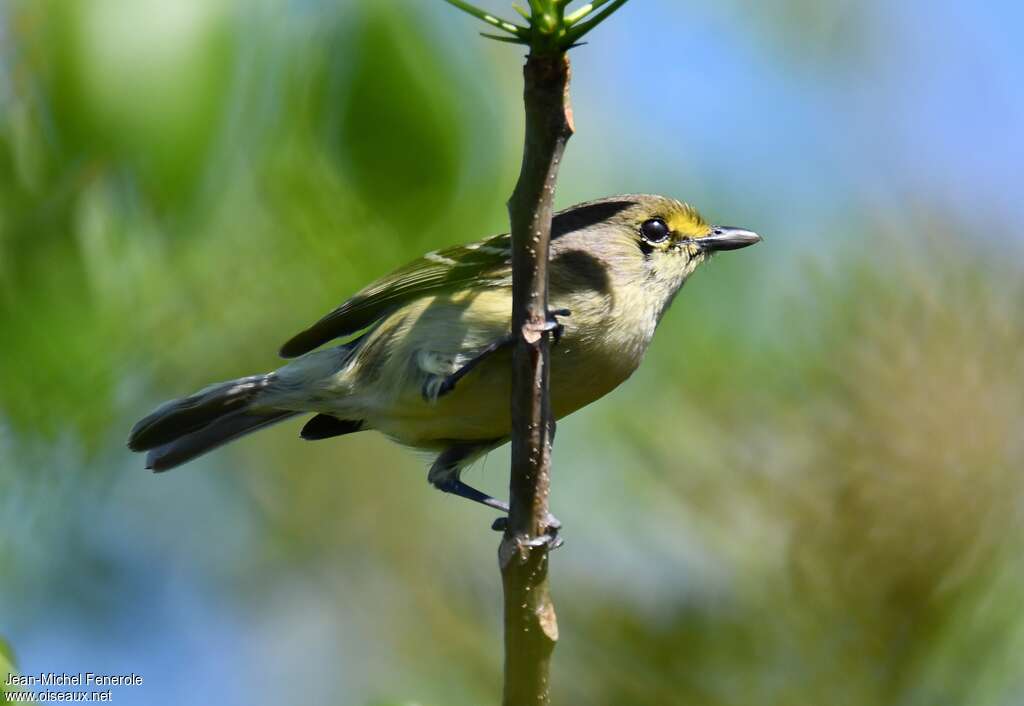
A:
[428, 359]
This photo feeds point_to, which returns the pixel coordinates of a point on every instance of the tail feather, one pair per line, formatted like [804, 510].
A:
[227, 428]
[177, 418]
[180, 430]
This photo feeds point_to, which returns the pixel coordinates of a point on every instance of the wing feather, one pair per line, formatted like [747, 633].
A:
[487, 261]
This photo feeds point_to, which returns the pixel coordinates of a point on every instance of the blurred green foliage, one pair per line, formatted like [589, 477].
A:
[809, 494]
[6, 668]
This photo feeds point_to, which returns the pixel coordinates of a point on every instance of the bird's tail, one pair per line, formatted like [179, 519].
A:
[180, 430]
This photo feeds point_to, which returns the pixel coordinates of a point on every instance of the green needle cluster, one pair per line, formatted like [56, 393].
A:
[549, 28]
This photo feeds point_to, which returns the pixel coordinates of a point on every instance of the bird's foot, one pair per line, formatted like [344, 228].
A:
[550, 537]
[555, 326]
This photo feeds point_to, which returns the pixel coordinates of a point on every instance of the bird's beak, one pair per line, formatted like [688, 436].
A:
[722, 238]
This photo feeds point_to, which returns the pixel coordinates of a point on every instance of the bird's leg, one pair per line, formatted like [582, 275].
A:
[554, 326]
[433, 390]
[448, 383]
[444, 475]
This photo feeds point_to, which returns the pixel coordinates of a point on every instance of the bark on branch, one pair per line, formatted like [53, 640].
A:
[531, 628]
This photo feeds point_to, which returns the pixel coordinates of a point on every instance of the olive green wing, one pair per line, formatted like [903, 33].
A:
[486, 263]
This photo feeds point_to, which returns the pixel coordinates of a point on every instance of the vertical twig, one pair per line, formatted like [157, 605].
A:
[531, 628]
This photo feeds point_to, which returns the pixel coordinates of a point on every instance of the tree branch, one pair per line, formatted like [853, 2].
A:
[531, 628]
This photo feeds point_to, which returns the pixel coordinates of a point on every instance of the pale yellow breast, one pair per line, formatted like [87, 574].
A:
[600, 348]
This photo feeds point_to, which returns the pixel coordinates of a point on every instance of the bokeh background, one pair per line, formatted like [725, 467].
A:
[809, 494]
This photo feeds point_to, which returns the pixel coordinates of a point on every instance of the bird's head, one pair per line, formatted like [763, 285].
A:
[657, 240]
[673, 237]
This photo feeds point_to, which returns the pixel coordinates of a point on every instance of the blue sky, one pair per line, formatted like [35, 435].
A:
[929, 99]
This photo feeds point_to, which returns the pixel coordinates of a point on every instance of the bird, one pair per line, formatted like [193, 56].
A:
[423, 355]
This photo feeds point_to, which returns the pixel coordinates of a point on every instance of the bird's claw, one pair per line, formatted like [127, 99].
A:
[555, 326]
[550, 537]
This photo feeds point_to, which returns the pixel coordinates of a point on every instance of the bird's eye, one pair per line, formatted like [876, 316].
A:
[654, 230]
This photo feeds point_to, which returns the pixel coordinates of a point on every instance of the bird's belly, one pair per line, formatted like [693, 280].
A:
[479, 408]
[384, 384]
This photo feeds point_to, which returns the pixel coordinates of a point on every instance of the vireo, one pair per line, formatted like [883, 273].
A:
[430, 363]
